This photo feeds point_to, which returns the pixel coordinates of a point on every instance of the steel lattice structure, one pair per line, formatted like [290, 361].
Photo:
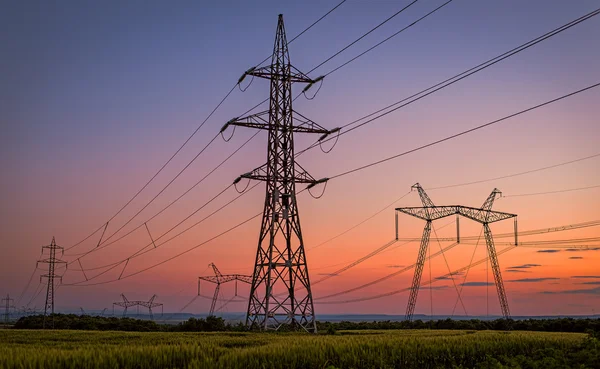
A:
[280, 292]
[484, 215]
[51, 276]
[126, 304]
[7, 308]
[219, 279]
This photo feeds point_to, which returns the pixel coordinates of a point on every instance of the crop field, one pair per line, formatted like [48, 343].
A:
[346, 349]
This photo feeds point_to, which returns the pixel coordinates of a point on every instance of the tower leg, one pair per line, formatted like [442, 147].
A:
[496, 270]
[412, 300]
[214, 300]
[516, 233]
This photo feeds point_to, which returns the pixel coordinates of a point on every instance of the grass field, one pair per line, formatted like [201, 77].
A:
[364, 349]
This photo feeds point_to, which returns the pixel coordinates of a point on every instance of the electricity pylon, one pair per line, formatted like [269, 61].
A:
[7, 308]
[484, 215]
[127, 304]
[218, 279]
[51, 261]
[280, 293]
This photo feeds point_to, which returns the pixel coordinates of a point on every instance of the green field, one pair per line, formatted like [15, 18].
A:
[363, 349]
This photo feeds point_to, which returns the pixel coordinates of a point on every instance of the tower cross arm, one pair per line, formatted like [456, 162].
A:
[261, 174]
[236, 277]
[429, 212]
[244, 278]
[261, 121]
[211, 279]
[267, 72]
[483, 216]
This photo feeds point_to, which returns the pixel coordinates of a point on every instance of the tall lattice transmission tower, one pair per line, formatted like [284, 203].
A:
[7, 308]
[280, 292]
[51, 260]
[484, 215]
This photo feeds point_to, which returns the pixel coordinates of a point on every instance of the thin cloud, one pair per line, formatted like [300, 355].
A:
[517, 271]
[582, 250]
[593, 282]
[591, 291]
[575, 257]
[550, 251]
[533, 280]
[476, 284]
[586, 276]
[329, 274]
[396, 266]
[524, 266]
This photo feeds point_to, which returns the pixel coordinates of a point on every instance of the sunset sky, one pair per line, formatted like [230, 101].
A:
[96, 96]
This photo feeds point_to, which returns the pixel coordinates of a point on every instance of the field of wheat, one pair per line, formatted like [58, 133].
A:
[364, 349]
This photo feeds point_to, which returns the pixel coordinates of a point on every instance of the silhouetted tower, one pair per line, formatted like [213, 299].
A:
[218, 279]
[280, 292]
[7, 308]
[484, 215]
[51, 261]
[126, 304]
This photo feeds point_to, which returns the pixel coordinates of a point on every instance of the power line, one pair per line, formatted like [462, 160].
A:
[144, 250]
[465, 132]
[251, 137]
[29, 281]
[515, 174]
[160, 170]
[462, 285]
[176, 200]
[568, 227]
[430, 90]
[395, 292]
[381, 279]
[456, 185]
[386, 277]
[178, 224]
[581, 19]
[172, 257]
[553, 192]
[364, 35]
[313, 69]
[361, 222]
[339, 4]
[193, 134]
[354, 263]
[458, 293]
[387, 39]
[313, 24]
[162, 190]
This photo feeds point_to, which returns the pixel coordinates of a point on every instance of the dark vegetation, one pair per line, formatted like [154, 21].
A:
[97, 323]
[573, 325]
[217, 324]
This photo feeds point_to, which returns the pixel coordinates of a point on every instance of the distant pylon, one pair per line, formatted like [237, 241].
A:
[7, 308]
[484, 215]
[280, 293]
[51, 261]
[126, 304]
[218, 279]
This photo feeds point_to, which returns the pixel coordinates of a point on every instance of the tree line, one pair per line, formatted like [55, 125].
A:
[217, 324]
